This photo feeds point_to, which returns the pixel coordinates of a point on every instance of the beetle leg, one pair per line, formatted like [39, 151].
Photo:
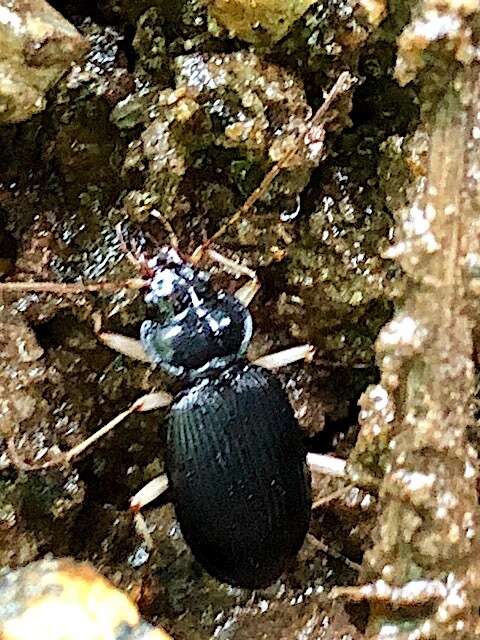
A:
[282, 358]
[227, 263]
[148, 402]
[318, 544]
[326, 465]
[122, 344]
[127, 346]
[334, 495]
[247, 292]
[150, 492]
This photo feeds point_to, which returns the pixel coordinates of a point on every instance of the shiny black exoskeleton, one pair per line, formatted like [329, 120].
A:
[235, 459]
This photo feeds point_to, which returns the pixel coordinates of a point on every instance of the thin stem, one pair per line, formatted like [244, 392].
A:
[343, 83]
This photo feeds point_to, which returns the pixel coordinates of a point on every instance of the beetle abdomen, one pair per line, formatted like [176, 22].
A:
[236, 464]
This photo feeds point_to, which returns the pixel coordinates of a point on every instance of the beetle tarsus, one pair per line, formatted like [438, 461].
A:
[247, 292]
[327, 465]
[148, 493]
[303, 352]
[126, 346]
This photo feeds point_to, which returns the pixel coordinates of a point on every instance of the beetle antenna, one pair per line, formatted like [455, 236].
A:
[135, 255]
[315, 133]
[136, 284]
[73, 287]
[124, 246]
[172, 236]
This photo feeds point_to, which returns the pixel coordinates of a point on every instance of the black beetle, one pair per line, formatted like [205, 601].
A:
[235, 460]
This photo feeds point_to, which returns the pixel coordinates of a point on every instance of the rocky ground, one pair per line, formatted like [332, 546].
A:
[167, 117]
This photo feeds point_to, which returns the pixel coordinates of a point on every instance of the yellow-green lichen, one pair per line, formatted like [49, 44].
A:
[258, 21]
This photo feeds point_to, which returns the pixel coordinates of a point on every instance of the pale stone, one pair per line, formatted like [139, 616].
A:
[37, 45]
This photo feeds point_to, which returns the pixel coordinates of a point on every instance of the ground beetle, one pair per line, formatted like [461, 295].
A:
[235, 461]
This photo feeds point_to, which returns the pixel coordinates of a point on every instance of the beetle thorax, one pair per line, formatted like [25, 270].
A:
[194, 330]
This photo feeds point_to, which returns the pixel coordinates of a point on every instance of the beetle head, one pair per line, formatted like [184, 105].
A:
[173, 283]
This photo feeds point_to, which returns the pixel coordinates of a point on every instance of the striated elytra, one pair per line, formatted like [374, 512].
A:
[237, 469]
[235, 460]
